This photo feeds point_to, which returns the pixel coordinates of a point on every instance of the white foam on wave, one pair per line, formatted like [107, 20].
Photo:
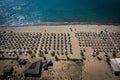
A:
[16, 8]
[16, 19]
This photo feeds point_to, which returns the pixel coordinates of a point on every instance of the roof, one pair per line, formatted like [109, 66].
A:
[22, 61]
[115, 64]
[32, 66]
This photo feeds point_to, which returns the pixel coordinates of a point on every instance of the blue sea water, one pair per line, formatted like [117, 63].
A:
[30, 12]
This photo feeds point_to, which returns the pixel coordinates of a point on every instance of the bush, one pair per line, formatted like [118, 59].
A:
[46, 52]
[66, 53]
[53, 53]
[108, 60]
[97, 53]
[30, 52]
[56, 58]
[40, 52]
[114, 54]
[82, 54]
[68, 58]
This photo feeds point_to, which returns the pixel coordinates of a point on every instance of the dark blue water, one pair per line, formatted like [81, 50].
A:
[30, 12]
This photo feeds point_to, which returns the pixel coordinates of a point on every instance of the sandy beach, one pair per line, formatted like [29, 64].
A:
[63, 28]
[93, 68]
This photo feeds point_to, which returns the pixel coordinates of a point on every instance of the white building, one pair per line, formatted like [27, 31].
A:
[115, 64]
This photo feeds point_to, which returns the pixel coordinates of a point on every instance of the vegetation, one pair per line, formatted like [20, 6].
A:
[46, 52]
[66, 53]
[68, 58]
[53, 53]
[41, 53]
[114, 54]
[44, 57]
[74, 59]
[108, 60]
[82, 54]
[56, 58]
[97, 53]
[30, 52]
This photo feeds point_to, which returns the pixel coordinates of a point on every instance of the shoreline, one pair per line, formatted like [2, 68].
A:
[62, 23]
[63, 28]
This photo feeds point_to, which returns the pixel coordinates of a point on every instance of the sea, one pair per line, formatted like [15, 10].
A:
[36, 12]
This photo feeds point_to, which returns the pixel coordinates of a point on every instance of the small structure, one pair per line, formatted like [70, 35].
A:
[33, 67]
[115, 64]
[47, 63]
[7, 70]
[22, 61]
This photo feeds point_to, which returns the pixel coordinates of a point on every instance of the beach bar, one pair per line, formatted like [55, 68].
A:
[33, 67]
[115, 65]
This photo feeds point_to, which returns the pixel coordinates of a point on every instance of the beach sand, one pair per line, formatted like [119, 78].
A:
[93, 68]
[63, 28]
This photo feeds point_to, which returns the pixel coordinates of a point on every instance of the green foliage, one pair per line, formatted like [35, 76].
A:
[97, 53]
[114, 54]
[56, 58]
[81, 52]
[68, 58]
[66, 53]
[30, 52]
[53, 53]
[107, 59]
[40, 52]
[46, 52]
[74, 59]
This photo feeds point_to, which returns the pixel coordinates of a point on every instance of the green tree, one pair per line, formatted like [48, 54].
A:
[46, 52]
[41, 53]
[66, 53]
[68, 58]
[30, 52]
[97, 53]
[108, 59]
[53, 53]
[114, 54]
[81, 52]
[56, 58]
